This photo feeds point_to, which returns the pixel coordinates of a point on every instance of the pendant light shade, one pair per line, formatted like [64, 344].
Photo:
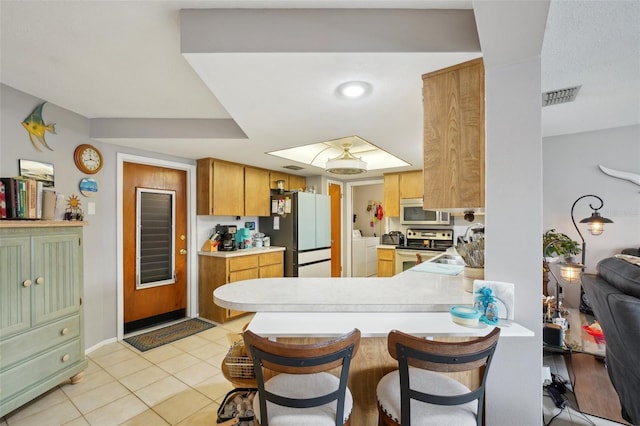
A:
[346, 163]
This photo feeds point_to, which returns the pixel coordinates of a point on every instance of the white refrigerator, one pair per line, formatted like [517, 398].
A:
[301, 222]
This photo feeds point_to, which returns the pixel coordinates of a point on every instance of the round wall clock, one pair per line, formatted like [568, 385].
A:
[88, 159]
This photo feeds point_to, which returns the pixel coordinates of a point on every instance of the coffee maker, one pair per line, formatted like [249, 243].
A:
[227, 237]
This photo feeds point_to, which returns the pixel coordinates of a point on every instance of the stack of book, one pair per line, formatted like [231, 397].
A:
[22, 198]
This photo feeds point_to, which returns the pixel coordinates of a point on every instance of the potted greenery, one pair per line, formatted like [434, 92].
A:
[557, 244]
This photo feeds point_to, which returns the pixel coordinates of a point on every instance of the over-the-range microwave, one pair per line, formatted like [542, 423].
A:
[412, 213]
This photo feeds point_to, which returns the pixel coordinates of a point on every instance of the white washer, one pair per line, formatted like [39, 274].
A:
[364, 256]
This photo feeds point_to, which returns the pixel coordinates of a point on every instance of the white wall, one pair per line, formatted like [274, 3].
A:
[511, 36]
[99, 236]
[571, 170]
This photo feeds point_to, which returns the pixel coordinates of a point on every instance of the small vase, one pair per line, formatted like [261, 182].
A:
[469, 275]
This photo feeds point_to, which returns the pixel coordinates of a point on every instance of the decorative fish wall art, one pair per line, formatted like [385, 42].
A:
[631, 177]
[35, 127]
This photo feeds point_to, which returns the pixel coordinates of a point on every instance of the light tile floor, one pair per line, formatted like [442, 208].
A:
[570, 415]
[176, 384]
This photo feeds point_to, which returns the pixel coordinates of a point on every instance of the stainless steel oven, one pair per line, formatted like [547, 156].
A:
[427, 242]
[412, 213]
[406, 258]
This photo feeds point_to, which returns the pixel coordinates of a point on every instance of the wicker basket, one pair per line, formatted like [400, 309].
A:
[239, 363]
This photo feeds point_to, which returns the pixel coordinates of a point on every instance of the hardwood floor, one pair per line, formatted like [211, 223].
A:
[593, 389]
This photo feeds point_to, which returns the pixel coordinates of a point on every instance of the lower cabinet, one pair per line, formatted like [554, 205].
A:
[217, 270]
[41, 321]
[386, 262]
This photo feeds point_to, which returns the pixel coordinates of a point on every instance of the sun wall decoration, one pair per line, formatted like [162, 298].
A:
[74, 211]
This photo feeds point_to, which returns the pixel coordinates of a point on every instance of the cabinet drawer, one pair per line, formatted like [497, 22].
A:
[28, 374]
[243, 262]
[386, 254]
[30, 343]
[271, 258]
[245, 274]
[272, 271]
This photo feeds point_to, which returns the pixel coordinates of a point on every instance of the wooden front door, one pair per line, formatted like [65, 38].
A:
[336, 226]
[148, 301]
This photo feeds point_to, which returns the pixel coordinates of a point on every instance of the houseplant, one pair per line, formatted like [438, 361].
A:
[556, 245]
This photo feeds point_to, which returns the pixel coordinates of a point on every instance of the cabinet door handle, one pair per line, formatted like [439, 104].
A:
[40, 280]
[66, 357]
[27, 283]
[64, 331]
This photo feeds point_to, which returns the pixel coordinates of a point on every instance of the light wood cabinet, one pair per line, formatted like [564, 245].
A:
[215, 271]
[298, 183]
[291, 182]
[400, 185]
[454, 137]
[42, 324]
[231, 189]
[386, 262]
[276, 176]
[391, 191]
[257, 194]
[411, 184]
[220, 188]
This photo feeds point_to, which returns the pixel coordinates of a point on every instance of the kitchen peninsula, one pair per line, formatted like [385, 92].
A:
[307, 309]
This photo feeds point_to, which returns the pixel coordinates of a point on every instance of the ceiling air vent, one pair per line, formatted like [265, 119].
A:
[292, 167]
[560, 96]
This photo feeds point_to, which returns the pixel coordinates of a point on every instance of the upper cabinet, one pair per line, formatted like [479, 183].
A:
[391, 190]
[291, 182]
[298, 183]
[220, 188]
[400, 185]
[411, 184]
[276, 176]
[257, 193]
[454, 137]
[231, 189]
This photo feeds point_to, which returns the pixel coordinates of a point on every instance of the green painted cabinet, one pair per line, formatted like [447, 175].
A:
[41, 318]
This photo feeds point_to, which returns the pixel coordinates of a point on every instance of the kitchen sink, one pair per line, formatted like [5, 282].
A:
[448, 259]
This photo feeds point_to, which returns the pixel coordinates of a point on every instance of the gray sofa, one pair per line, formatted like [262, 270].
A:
[614, 295]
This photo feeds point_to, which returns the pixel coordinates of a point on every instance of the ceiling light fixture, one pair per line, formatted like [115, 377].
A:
[346, 163]
[354, 89]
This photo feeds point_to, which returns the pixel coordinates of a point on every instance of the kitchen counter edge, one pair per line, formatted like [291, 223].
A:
[243, 252]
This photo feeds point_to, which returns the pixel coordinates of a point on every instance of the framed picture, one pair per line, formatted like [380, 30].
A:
[38, 171]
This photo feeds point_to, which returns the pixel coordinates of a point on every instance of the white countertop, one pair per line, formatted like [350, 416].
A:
[370, 324]
[243, 252]
[386, 246]
[406, 292]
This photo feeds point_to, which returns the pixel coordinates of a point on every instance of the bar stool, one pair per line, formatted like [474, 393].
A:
[418, 394]
[303, 392]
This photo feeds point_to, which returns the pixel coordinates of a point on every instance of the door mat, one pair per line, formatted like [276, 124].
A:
[145, 341]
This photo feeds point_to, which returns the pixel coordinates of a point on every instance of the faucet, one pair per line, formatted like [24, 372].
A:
[468, 234]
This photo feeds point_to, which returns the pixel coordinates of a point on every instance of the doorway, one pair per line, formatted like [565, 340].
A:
[335, 193]
[154, 235]
[380, 228]
[175, 293]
